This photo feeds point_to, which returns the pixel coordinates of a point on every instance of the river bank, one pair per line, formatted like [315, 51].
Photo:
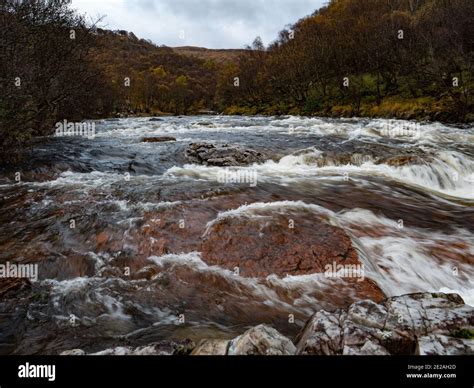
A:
[423, 109]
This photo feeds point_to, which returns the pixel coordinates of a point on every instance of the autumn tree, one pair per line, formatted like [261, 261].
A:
[45, 72]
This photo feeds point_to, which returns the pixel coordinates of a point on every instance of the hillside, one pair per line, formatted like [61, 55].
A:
[376, 58]
[161, 79]
[403, 59]
[218, 55]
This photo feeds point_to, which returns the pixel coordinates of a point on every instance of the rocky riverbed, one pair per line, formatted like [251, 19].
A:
[241, 235]
[413, 324]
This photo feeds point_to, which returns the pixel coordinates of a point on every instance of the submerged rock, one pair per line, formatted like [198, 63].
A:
[222, 155]
[10, 284]
[404, 160]
[158, 139]
[421, 323]
[334, 152]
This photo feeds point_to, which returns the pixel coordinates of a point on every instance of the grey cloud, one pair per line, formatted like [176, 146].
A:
[208, 23]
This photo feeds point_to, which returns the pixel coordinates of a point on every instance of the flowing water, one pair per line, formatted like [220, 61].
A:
[95, 213]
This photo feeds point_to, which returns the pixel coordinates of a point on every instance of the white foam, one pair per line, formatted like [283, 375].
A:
[90, 179]
[88, 290]
[449, 174]
[282, 207]
[191, 258]
[404, 256]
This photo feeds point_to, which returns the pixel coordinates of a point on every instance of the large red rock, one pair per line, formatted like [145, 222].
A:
[267, 244]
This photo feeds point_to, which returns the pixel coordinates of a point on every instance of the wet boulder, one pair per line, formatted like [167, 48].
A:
[222, 155]
[439, 344]
[261, 340]
[322, 335]
[270, 243]
[421, 323]
[210, 347]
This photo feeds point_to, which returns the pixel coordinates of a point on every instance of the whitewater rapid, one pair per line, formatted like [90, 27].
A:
[402, 191]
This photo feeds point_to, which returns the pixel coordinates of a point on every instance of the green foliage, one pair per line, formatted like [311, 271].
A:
[182, 81]
[464, 333]
[314, 102]
[159, 71]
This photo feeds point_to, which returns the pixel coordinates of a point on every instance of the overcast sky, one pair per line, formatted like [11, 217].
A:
[205, 23]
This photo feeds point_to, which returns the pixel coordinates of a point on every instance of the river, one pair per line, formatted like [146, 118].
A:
[115, 225]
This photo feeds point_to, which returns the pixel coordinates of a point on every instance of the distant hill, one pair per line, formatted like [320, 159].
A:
[218, 55]
[161, 78]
